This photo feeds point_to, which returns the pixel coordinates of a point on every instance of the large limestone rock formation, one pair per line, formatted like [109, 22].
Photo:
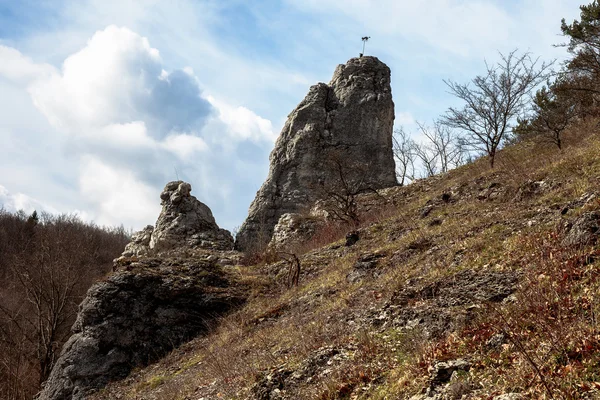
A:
[183, 222]
[136, 316]
[343, 129]
[158, 298]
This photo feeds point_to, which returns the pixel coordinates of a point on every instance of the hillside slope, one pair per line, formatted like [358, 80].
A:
[479, 284]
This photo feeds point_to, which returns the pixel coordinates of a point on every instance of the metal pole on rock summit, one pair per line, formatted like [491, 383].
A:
[364, 40]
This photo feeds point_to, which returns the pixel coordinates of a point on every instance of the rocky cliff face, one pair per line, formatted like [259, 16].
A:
[137, 316]
[169, 285]
[184, 222]
[340, 131]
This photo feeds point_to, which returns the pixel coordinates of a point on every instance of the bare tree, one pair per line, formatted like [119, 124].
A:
[47, 266]
[493, 101]
[444, 144]
[404, 154]
[47, 278]
[440, 151]
[428, 156]
[340, 197]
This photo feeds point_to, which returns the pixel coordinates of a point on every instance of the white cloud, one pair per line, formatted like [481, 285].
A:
[131, 134]
[18, 201]
[16, 67]
[185, 146]
[118, 78]
[117, 195]
[242, 123]
[131, 124]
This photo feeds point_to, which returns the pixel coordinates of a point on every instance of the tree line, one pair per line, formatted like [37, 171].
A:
[47, 263]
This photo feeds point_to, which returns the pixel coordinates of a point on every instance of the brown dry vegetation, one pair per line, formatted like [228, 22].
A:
[46, 265]
[347, 332]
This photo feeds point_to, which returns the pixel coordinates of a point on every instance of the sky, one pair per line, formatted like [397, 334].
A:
[102, 102]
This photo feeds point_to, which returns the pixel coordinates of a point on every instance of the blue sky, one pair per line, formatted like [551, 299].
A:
[104, 101]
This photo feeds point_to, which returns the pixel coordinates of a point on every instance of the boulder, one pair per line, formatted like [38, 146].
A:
[140, 242]
[442, 371]
[352, 238]
[294, 230]
[136, 316]
[510, 396]
[338, 138]
[584, 230]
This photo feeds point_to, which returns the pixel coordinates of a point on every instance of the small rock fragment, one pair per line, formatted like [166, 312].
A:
[352, 238]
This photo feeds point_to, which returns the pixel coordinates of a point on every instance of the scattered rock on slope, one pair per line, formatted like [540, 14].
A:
[445, 305]
[584, 230]
[183, 222]
[136, 316]
[341, 128]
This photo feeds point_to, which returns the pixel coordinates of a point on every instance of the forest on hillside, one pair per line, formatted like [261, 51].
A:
[47, 263]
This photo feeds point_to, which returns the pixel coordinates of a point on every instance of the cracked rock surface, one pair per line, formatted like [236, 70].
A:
[135, 317]
[350, 122]
[184, 222]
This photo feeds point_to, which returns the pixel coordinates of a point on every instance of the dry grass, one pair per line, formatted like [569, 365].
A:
[553, 345]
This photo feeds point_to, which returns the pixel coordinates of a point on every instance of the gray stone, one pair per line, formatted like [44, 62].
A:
[346, 124]
[442, 371]
[184, 222]
[294, 230]
[365, 266]
[352, 238]
[509, 396]
[531, 189]
[584, 230]
[136, 316]
[496, 341]
[140, 242]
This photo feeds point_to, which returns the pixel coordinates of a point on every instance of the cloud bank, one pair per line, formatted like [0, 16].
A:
[129, 125]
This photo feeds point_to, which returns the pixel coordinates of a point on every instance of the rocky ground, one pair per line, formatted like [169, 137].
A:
[480, 284]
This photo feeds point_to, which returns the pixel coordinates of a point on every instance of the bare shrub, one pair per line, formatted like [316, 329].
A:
[294, 266]
[340, 197]
[404, 155]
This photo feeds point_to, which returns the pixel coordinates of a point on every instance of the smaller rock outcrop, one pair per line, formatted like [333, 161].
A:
[442, 371]
[365, 266]
[294, 230]
[158, 298]
[136, 316]
[184, 222]
[445, 306]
